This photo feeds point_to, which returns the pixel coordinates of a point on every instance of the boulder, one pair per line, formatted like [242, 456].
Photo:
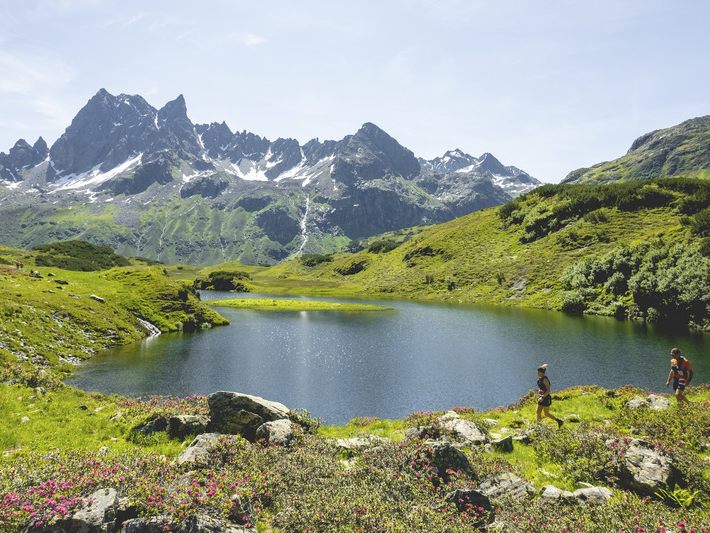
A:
[198, 452]
[180, 426]
[278, 432]
[470, 501]
[645, 470]
[199, 524]
[444, 456]
[463, 431]
[97, 298]
[356, 444]
[637, 402]
[505, 486]
[592, 495]
[550, 492]
[503, 445]
[241, 414]
[159, 423]
[658, 403]
[96, 515]
[420, 432]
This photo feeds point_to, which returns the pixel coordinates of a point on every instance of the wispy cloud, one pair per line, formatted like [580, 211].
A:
[251, 39]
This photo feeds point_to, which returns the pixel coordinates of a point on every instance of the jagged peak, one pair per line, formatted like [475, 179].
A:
[174, 108]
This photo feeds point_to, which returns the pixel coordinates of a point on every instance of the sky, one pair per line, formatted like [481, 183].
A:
[548, 86]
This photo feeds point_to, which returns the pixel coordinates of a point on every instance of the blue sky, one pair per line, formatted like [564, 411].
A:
[548, 86]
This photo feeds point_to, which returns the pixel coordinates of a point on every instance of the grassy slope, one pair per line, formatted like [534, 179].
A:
[269, 304]
[44, 323]
[484, 259]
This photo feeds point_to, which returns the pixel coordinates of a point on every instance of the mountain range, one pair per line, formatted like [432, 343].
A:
[150, 183]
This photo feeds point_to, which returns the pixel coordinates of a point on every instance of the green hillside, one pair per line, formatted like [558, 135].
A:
[51, 318]
[635, 249]
[681, 150]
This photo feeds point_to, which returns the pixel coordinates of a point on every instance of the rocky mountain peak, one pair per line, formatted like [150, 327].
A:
[40, 146]
[488, 162]
[174, 110]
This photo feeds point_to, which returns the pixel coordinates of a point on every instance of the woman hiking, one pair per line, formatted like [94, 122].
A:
[545, 400]
[681, 373]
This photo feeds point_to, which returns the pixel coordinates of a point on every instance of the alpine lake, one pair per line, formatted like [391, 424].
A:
[391, 363]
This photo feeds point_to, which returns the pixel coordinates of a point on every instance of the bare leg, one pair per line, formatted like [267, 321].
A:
[539, 412]
[548, 415]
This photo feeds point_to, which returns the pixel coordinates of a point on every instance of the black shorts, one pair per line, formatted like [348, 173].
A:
[545, 401]
[678, 385]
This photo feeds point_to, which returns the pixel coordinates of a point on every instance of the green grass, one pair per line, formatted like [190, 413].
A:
[270, 304]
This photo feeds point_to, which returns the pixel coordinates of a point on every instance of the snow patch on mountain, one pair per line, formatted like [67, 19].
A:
[95, 177]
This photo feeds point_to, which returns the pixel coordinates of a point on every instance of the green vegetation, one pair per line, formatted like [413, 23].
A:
[269, 304]
[530, 251]
[57, 447]
[50, 319]
[681, 150]
[78, 255]
[224, 280]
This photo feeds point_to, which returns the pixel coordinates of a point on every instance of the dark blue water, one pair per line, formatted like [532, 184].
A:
[421, 357]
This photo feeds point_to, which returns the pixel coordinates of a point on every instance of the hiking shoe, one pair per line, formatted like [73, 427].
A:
[559, 423]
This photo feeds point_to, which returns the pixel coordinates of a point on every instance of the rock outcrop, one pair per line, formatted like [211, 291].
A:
[645, 470]
[242, 414]
[506, 485]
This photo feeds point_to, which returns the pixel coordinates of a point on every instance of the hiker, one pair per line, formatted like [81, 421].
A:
[545, 400]
[681, 373]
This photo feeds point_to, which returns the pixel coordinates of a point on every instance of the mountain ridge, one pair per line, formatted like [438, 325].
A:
[153, 179]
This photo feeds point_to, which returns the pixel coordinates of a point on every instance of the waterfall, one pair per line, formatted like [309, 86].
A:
[152, 329]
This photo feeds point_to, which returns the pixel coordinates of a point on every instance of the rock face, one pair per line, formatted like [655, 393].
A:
[279, 432]
[256, 192]
[242, 414]
[507, 486]
[646, 470]
[592, 495]
[463, 431]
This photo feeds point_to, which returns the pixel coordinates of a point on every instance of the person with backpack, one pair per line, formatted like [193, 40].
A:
[681, 374]
[544, 389]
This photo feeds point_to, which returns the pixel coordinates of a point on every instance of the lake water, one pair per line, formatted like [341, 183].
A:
[420, 357]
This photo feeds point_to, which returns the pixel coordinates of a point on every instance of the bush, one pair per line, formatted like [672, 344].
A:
[573, 304]
[311, 260]
[382, 246]
[78, 255]
[224, 280]
[700, 223]
[352, 268]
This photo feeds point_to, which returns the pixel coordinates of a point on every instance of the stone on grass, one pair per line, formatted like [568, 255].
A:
[645, 470]
[159, 423]
[658, 403]
[180, 426]
[550, 492]
[463, 431]
[96, 515]
[278, 432]
[505, 486]
[355, 444]
[241, 414]
[592, 495]
[199, 524]
[444, 456]
[503, 445]
[199, 450]
[473, 502]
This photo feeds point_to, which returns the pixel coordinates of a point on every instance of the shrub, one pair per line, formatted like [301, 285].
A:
[382, 246]
[311, 260]
[78, 255]
[573, 303]
[224, 280]
[352, 268]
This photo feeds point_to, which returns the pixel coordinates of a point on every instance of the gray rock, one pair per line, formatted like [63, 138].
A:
[200, 524]
[505, 486]
[500, 526]
[98, 514]
[444, 455]
[198, 452]
[574, 418]
[592, 495]
[550, 492]
[97, 298]
[637, 402]
[645, 470]
[463, 431]
[419, 432]
[180, 426]
[658, 403]
[241, 414]
[278, 432]
[503, 445]
[468, 499]
[154, 425]
[356, 444]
